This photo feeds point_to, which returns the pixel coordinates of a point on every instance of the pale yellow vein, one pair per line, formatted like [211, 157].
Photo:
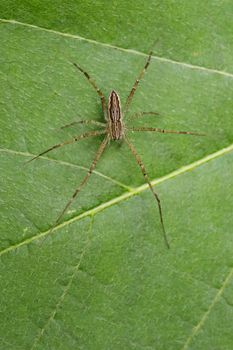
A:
[78, 37]
[26, 154]
[202, 321]
[124, 196]
[65, 291]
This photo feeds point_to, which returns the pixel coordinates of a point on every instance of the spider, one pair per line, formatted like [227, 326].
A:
[114, 129]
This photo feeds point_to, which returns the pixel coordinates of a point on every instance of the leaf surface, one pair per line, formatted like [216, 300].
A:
[104, 279]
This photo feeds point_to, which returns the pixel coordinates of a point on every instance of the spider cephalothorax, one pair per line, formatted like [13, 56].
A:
[115, 125]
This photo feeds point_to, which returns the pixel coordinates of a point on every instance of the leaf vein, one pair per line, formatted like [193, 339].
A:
[123, 197]
[135, 52]
[205, 316]
[65, 291]
[27, 154]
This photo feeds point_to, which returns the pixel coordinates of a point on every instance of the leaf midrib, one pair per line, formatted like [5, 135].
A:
[123, 197]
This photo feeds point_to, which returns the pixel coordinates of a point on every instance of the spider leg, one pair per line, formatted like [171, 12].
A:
[163, 131]
[138, 115]
[74, 139]
[87, 122]
[131, 94]
[140, 163]
[99, 92]
[82, 184]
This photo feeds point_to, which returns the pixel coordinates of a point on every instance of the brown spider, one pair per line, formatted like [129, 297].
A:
[114, 129]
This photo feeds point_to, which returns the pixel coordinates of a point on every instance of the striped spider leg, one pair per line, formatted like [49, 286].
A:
[113, 129]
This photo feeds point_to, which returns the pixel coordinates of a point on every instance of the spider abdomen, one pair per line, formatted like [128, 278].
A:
[115, 116]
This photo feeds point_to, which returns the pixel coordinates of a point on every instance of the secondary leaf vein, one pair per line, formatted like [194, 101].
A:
[202, 321]
[63, 295]
[27, 154]
[135, 52]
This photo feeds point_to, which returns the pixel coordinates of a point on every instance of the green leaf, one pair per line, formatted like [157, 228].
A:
[104, 279]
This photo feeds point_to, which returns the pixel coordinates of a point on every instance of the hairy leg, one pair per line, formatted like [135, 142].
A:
[142, 167]
[99, 92]
[138, 115]
[131, 94]
[84, 181]
[163, 131]
[87, 122]
[74, 139]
